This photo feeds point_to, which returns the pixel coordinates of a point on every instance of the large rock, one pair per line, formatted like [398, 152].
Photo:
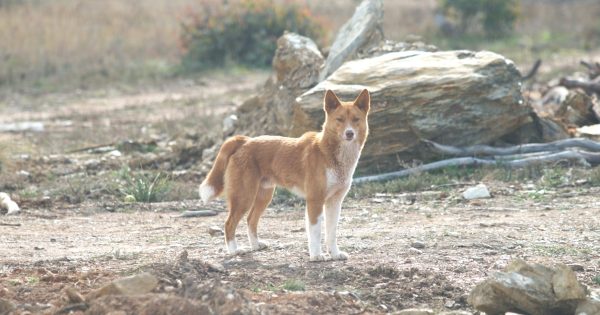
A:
[532, 289]
[6, 306]
[361, 31]
[296, 66]
[591, 305]
[452, 97]
[297, 61]
[134, 285]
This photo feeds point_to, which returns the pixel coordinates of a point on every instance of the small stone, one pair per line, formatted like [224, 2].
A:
[215, 231]
[417, 244]
[74, 296]
[415, 311]
[477, 192]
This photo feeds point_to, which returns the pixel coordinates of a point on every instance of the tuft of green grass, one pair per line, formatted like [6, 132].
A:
[294, 285]
[32, 280]
[145, 187]
[594, 177]
[596, 279]
[283, 196]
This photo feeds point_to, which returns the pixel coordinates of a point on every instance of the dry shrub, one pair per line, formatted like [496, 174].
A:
[216, 33]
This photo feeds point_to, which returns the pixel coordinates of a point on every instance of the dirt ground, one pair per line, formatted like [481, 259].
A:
[420, 249]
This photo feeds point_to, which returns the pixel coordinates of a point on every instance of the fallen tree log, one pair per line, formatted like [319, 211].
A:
[593, 68]
[555, 146]
[580, 158]
[589, 87]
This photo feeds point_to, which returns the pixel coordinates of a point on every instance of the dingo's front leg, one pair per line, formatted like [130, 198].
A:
[333, 207]
[314, 218]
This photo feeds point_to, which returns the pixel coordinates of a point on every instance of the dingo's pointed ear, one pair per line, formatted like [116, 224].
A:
[363, 101]
[331, 101]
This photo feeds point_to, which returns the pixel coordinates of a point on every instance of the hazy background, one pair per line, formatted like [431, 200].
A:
[58, 44]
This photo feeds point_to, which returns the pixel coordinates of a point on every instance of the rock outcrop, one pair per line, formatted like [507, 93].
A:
[452, 97]
[532, 289]
[296, 66]
[361, 32]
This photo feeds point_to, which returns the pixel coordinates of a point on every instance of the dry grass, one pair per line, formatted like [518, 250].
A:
[81, 40]
[80, 43]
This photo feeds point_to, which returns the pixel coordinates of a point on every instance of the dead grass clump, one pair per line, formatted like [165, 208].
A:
[55, 42]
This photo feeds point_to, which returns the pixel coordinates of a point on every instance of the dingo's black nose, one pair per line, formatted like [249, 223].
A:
[349, 134]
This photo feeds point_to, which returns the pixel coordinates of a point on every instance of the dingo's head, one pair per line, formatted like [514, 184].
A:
[347, 120]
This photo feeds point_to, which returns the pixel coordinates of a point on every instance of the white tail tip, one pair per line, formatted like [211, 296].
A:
[207, 192]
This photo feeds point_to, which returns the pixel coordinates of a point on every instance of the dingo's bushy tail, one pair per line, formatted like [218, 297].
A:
[214, 183]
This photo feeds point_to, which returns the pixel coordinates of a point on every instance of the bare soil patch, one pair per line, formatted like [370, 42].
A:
[425, 248]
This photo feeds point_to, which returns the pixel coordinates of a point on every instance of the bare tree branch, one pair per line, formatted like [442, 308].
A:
[478, 150]
[589, 87]
[576, 157]
[533, 70]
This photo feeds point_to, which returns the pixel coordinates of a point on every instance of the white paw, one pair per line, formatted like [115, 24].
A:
[339, 256]
[317, 258]
[239, 251]
[260, 245]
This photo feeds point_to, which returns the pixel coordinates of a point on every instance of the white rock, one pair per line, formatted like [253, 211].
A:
[115, 153]
[35, 126]
[477, 192]
[8, 204]
[229, 124]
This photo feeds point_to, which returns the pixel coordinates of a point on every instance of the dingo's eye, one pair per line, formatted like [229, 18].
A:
[355, 119]
[340, 119]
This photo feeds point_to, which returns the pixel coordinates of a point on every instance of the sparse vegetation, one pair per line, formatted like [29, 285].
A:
[594, 177]
[145, 187]
[596, 279]
[242, 31]
[294, 285]
[496, 18]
